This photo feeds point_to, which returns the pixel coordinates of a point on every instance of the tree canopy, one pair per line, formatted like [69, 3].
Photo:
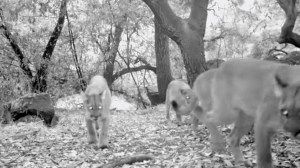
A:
[116, 38]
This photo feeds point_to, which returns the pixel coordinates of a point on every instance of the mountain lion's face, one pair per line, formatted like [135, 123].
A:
[94, 104]
[289, 105]
[185, 103]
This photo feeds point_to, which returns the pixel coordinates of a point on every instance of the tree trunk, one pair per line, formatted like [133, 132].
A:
[163, 70]
[291, 26]
[39, 80]
[112, 53]
[187, 33]
[192, 50]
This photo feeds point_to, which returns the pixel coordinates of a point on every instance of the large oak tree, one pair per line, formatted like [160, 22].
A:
[187, 33]
[163, 69]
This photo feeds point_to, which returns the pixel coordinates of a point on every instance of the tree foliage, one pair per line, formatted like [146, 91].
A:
[234, 29]
[37, 74]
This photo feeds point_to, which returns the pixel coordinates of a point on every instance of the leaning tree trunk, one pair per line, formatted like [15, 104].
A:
[163, 70]
[39, 80]
[187, 33]
[39, 83]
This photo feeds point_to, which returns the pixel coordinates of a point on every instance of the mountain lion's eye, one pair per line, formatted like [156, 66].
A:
[285, 112]
[90, 108]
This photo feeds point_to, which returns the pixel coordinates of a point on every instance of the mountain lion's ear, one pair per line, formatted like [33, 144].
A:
[103, 95]
[182, 91]
[281, 81]
[83, 96]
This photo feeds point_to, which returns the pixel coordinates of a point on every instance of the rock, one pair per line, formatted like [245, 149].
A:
[32, 104]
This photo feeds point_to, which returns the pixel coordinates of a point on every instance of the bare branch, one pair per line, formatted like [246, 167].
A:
[129, 160]
[82, 82]
[56, 32]
[134, 69]
[213, 39]
[164, 15]
[275, 49]
[141, 59]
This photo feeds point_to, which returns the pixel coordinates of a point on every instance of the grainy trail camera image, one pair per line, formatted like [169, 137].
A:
[91, 83]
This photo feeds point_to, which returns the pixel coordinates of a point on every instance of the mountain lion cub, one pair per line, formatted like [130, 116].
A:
[250, 92]
[97, 99]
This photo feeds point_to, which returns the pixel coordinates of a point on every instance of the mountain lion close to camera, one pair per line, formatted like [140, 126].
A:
[249, 92]
[97, 99]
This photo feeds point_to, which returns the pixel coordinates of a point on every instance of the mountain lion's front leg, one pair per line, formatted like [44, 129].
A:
[168, 106]
[242, 126]
[217, 141]
[178, 119]
[92, 134]
[263, 145]
[103, 143]
[195, 122]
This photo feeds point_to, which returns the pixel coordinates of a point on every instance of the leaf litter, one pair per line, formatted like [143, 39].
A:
[131, 133]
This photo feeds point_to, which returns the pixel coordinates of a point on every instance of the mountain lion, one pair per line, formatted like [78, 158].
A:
[180, 97]
[97, 99]
[250, 92]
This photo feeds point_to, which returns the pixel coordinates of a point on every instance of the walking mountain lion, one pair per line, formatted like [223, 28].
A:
[180, 97]
[97, 99]
[249, 92]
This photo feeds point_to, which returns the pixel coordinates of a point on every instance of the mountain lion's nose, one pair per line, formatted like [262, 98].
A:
[174, 104]
[95, 116]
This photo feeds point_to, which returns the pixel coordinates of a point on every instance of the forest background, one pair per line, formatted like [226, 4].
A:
[117, 39]
[139, 46]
